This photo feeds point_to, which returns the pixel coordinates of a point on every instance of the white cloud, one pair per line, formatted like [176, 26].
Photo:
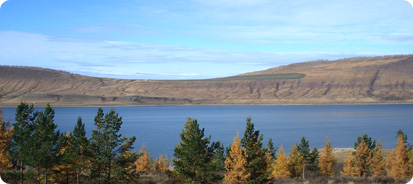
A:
[126, 59]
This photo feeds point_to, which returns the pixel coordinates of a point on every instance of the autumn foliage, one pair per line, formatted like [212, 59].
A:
[280, 165]
[398, 161]
[327, 160]
[235, 164]
[107, 157]
[5, 138]
[142, 163]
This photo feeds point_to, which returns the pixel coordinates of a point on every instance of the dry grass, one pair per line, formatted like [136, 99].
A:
[356, 80]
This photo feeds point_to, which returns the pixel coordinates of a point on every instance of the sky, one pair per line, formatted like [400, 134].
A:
[197, 39]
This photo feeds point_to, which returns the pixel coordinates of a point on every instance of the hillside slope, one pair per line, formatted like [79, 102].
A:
[357, 80]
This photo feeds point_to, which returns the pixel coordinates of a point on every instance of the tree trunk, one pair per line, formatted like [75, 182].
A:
[77, 178]
[38, 172]
[22, 174]
[45, 175]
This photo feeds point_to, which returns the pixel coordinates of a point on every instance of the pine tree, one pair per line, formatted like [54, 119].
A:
[349, 168]
[63, 170]
[398, 161]
[79, 150]
[255, 154]
[97, 145]
[295, 162]
[327, 161]
[125, 168]
[280, 165]
[107, 146]
[46, 141]
[21, 141]
[270, 156]
[194, 161]
[314, 163]
[371, 144]
[142, 163]
[235, 164]
[5, 139]
[401, 133]
[310, 158]
[378, 164]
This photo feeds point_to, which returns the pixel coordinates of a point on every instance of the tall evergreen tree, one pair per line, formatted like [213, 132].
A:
[21, 141]
[125, 169]
[79, 150]
[371, 144]
[255, 154]
[270, 152]
[107, 145]
[404, 136]
[97, 146]
[194, 155]
[310, 158]
[46, 143]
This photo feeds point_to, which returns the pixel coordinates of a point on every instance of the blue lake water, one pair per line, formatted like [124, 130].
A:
[159, 127]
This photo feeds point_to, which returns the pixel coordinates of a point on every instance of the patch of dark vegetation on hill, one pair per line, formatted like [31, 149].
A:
[280, 76]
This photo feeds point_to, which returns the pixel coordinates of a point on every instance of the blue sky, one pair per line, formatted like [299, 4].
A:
[192, 39]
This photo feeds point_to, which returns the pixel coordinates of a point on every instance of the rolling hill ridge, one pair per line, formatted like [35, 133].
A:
[387, 79]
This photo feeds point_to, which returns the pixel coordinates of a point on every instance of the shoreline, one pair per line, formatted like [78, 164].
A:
[11, 105]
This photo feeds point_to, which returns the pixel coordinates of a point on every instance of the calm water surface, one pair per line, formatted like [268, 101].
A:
[159, 127]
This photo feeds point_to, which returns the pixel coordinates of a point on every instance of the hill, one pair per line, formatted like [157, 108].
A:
[387, 79]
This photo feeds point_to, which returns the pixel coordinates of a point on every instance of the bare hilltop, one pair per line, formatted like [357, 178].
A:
[367, 80]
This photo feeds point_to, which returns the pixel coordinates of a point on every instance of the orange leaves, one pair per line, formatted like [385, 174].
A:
[280, 166]
[378, 164]
[327, 161]
[142, 164]
[161, 163]
[235, 164]
[5, 138]
[397, 163]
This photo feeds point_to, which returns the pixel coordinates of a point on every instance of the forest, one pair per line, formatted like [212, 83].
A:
[32, 150]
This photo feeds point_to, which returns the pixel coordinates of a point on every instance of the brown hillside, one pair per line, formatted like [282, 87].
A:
[358, 80]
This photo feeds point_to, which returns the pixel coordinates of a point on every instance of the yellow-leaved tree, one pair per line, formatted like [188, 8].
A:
[5, 138]
[397, 163]
[349, 169]
[280, 165]
[295, 162]
[235, 164]
[327, 161]
[378, 164]
[410, 156]
[161, 163]
[142, 163]
[362, 160]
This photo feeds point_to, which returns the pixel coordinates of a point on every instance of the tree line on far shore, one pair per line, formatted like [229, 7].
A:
[33, 150]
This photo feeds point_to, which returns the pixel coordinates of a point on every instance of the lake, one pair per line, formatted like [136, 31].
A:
[159, 127]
